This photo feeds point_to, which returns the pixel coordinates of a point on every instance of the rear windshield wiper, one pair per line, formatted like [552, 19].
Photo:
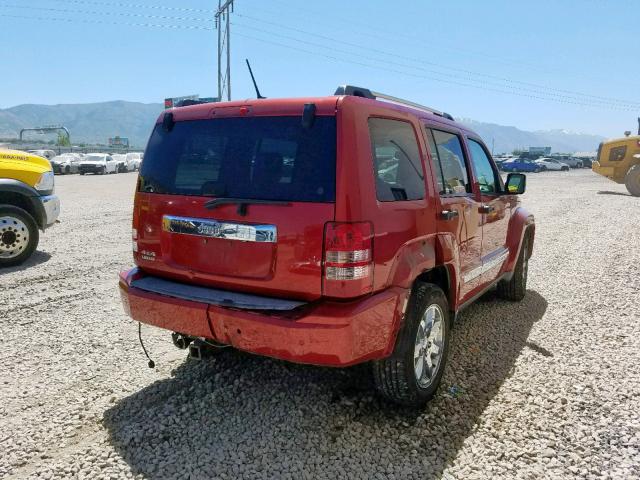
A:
[242, 203]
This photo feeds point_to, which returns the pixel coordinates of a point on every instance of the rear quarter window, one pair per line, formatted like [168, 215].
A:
[396, 160]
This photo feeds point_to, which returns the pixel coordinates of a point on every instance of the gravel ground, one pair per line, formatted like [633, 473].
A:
[548, 388]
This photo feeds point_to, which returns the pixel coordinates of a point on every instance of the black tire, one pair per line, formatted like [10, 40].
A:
[632, 181]
[565, 169]
[516, 288]
[102, 171]
[67, 170]
[537, 170]
[395, 376]
[12, 231]
[81, 172]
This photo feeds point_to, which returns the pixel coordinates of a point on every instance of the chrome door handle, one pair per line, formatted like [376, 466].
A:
[487, 209]
[449, 214]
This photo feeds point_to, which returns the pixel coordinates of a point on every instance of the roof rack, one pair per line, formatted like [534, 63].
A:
[366, 93]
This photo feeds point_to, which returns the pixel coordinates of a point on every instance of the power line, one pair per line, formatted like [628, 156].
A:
[331, 57]
[536, 88]
[116, 14]
[573, 94]
[103, 22]
[136, 6]
[444, 74]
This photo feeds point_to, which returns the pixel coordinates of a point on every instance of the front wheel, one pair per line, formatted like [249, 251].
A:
[632, 181]
[19, 235]
[412, 374]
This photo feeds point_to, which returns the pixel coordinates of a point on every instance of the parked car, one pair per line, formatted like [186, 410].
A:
[98, 163]
[572, 162]
[27, 204]
[66, 163]
[48, 154]
[283, 229]
[522, 165]
[552, 164]
[134, 159]
[121, 162]
[586, 162]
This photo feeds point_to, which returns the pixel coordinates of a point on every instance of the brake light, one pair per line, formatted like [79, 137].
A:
[348, 254]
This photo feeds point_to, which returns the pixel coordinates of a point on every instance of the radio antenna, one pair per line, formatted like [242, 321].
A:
[255, 85]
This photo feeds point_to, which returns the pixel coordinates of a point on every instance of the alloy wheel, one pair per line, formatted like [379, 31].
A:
[429, 345]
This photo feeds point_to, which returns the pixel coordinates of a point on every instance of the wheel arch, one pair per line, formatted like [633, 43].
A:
[19, 194]
[522, 223]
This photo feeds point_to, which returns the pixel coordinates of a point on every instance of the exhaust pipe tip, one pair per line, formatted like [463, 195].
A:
[180, 341]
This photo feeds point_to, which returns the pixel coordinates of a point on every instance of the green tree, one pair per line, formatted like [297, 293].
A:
[63, 140]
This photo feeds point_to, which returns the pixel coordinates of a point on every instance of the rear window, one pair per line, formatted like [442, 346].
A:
[267, 158]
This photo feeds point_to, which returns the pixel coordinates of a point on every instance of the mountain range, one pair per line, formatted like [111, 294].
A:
[97, 122]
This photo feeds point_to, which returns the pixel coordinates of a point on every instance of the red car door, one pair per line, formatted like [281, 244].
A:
[459, 210]
[495, 210]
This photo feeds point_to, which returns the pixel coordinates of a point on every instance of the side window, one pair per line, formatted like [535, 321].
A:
[396, 160]
[436, 161]
[450, 163]
[482, 168]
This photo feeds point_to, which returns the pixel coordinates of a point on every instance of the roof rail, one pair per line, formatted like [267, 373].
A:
[366, 93]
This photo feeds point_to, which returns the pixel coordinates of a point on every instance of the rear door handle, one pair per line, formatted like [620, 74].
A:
[487, 209]
[449, 214]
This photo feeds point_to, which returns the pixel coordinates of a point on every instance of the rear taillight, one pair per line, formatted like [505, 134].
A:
[348, 255]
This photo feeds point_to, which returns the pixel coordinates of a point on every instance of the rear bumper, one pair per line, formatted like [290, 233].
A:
[324, 333]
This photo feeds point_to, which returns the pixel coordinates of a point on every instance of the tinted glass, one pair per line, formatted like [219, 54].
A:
[267, 158]
[451, 157]
[482, 168]
[436, 161]
[396, 160]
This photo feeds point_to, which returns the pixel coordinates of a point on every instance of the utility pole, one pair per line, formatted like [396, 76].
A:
[225, 8]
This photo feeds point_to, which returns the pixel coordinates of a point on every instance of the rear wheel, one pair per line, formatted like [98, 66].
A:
[19, 235]
[412, 374]
[516, 288]
[537, 170]
[632, 180]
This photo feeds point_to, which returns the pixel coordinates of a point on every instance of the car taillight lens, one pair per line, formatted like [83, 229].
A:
[348, 268]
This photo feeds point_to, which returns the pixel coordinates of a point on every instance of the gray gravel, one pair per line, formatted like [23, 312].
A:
[549, 388]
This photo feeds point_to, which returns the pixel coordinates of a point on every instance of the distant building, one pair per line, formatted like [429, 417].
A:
[585, 154]
[188, 100]
[119, 142]
[540, 150]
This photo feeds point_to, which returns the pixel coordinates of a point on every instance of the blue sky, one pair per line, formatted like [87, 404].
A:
[548, 64]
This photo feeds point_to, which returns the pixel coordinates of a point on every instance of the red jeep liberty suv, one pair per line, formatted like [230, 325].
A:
[330, 231]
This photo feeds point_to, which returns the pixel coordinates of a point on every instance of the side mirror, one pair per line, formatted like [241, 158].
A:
[516, 184]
